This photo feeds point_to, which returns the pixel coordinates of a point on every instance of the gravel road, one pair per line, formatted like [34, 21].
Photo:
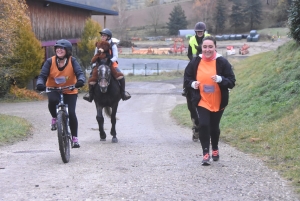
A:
[155, 159]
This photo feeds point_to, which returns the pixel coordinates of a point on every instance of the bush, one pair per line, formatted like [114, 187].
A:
[5, 82]
[294, 20]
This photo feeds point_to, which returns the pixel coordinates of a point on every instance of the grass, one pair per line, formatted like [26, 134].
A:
[13, 129]
[263, 114]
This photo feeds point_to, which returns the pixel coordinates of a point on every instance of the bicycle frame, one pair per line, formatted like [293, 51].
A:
[63, 133]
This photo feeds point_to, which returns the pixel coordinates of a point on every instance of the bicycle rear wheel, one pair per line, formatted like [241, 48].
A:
[62, 134]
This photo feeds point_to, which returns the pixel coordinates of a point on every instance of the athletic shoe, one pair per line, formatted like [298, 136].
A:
[75, 142]
[206, 159]
[215, 155]
[53, 124]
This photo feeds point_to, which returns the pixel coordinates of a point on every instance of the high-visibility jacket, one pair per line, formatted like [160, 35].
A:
[193, 43]
[62, 78]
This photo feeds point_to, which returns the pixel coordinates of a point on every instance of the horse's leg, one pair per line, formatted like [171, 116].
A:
[100, 120]
[113, 124]
[194, 118]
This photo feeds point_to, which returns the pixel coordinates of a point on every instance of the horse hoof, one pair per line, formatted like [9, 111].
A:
[114, 140]
[195, 139]
[103, 139]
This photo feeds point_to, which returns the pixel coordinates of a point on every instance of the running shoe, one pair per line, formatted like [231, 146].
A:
[75, 142]
[215, 155]
[206, 159]
[53, 124]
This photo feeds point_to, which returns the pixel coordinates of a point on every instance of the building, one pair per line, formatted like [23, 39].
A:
[52, 20]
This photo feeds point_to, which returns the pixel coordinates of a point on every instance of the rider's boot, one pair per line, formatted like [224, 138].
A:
[124, 94]
[90, 96]
[115, 73]
[184, 91]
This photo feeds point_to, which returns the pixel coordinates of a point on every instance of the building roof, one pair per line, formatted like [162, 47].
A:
[95, 10]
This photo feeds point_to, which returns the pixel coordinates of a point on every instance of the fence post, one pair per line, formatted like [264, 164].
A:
[133, 68]
[157, 66]
[145, 69]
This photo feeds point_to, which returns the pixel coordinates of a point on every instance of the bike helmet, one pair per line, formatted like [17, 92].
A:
[106, 32]
[200, 26]
[67, 45]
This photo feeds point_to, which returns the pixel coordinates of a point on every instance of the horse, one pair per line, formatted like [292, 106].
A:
[106, 96]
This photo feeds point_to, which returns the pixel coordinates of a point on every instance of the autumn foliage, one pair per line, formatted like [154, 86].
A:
[89, 37]
[21, 55]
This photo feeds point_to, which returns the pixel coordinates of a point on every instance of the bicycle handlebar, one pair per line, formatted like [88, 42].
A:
[50, 89]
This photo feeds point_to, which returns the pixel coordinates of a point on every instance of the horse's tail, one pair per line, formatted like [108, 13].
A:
[107, 111]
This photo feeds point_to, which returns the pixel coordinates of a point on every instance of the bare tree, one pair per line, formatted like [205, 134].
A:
[155, 15]
[123, 19]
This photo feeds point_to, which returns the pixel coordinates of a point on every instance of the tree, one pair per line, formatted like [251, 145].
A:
[253, 12]
[281, 11]
[202, 10]
[20, 52]
[220, 16]
[122, 20]
[89, 37]
[237, 16]
[28, 55]
[177, 20]
[155, 15]
[294, 20]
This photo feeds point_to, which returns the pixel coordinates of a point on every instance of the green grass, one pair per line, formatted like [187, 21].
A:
[13, 129]
[263, 114]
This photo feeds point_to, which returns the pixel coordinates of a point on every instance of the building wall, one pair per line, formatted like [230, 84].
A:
[56, 21]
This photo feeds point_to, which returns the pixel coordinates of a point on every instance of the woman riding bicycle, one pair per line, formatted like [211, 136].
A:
[58, 71]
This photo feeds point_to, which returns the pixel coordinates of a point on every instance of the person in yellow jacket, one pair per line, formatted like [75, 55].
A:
[194, 50]
[195, 43]
[58, 71]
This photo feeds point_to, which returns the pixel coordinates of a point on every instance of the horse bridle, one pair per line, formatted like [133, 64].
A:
[105, 70]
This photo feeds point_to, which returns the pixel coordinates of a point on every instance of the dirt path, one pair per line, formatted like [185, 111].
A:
[155, 159]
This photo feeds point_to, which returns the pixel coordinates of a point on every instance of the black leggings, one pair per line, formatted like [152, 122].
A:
[70, 99]
[209, 128]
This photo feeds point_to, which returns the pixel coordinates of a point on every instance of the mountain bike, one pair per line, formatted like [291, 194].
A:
[62, 123]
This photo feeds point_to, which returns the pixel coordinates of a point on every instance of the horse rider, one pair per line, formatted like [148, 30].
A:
[106, 35]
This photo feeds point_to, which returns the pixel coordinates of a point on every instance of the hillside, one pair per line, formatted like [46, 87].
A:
[139, 21]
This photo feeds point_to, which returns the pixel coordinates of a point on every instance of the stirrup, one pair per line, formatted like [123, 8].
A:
[87, 97]
[125, 96]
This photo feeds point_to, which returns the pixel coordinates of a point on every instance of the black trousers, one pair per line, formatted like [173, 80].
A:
[209, 129]
[70, 99]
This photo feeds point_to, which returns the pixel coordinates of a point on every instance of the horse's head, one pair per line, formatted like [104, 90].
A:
[103, 77]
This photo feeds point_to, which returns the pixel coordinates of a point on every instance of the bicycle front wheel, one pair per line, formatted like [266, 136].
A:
[62, 134]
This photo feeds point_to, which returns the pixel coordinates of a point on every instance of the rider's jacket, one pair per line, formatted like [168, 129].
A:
[193, 43]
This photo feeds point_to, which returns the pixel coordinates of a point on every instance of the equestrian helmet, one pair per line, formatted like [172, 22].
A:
[200, 26]
[106, 32]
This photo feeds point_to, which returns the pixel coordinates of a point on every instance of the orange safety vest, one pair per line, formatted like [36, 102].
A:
[62, 78]
[209, 90]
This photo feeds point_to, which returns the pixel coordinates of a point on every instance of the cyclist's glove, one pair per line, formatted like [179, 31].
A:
[41, 87]
[79, 84]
